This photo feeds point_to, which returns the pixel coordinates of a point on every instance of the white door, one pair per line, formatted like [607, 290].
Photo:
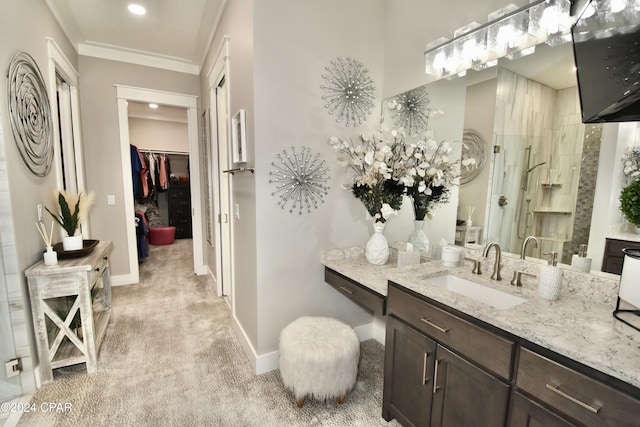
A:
[225, 275]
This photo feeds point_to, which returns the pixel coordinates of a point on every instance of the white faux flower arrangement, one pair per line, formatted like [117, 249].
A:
[386, 166]
[631, 163]
[372, 159]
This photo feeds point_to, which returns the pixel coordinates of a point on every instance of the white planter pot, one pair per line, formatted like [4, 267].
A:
[72, 243]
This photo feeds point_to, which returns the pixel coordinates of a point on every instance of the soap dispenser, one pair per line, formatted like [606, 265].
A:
[580, 261]
[550, 278]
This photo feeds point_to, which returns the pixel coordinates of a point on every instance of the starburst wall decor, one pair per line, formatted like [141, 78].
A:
[348, 91]
[300, 178]
[412, 112]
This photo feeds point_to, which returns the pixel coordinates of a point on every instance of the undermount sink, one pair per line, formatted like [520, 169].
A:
[484, 294]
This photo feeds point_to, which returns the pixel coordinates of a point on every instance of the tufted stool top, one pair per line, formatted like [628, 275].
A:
[319, 357]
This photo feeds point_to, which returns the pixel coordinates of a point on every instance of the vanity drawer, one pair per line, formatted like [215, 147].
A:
[483, 347]
[585, 399]
[355, 291]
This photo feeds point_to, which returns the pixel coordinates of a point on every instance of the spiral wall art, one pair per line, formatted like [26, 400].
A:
[30, 114]
[300, 178]
[348, 91]
[472, 147]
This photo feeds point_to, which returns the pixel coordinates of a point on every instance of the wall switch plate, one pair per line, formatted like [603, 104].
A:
[13, 367]
[39, 212]
[236, 210]
[111, 199]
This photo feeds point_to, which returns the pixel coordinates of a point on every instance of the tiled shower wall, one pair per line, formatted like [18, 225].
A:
[586, 191]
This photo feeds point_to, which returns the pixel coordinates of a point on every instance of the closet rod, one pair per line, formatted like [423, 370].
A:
[146, 150]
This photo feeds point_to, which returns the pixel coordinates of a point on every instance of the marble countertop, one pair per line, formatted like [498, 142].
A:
[623, 232]
[580, 328]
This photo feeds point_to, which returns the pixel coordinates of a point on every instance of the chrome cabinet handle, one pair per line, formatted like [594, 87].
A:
[436, 387]
[424, 369]
[430, 323]
[556, 390]
[347, 290]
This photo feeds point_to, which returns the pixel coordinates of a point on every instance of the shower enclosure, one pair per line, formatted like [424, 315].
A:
[538, 189]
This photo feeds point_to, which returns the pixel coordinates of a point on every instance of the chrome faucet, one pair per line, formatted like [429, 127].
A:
[496, 266]
[525, 243]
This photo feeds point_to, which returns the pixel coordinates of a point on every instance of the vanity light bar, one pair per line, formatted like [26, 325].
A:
[511, 32]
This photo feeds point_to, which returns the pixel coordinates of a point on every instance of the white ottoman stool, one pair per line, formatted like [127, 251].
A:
[319, 358]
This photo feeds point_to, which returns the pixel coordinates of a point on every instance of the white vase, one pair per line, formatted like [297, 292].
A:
[72, 243]
[377, 249]
[418, 237]
[50, 256]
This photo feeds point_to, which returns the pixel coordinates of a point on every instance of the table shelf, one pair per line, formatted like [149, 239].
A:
[73, 279]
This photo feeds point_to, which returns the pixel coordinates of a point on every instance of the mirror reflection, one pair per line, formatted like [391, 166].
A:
[541, 166]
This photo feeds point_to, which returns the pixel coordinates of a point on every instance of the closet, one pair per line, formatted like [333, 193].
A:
[160, 169]
[162, 193]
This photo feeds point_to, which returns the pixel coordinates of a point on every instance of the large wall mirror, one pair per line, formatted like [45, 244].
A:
[541, 167]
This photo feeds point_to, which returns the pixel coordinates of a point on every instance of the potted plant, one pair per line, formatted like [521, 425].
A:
[70, 221]
[630, 202]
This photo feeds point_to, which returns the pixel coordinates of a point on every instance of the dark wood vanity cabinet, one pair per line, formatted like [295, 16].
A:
[528, 413]
[353, 290]
[429, 379]
[573, 394]
[613, 256]
[445, 368]
[410, 356]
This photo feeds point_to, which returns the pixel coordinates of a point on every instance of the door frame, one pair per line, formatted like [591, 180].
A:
[220, 69]
[59, 64]
[190, 103]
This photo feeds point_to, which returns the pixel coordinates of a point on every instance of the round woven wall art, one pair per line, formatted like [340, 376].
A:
[30, 114]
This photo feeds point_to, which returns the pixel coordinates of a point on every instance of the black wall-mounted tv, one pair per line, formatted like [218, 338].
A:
[607, 56]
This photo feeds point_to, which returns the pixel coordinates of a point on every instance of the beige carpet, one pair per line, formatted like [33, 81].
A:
[170, 358]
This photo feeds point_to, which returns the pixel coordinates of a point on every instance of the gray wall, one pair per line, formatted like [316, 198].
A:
[24, 26]
[237, 22]
[102, 140]
[411, 24]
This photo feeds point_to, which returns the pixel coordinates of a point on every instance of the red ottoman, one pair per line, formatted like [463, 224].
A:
[162, 235]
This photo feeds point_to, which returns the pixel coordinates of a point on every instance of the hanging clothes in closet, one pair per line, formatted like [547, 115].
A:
[139, 172]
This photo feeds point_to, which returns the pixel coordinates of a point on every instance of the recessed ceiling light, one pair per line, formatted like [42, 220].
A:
[154, 106]
[136, 9]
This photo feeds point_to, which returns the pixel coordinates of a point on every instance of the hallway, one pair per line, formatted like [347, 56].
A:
[171, 358]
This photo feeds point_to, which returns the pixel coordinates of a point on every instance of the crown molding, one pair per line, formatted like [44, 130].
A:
[137, 57]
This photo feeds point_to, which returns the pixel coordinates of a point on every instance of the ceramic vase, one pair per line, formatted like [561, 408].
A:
[418, 237]
[377, 249]
[72, 243]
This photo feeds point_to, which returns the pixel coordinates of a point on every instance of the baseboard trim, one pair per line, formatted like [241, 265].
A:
[123, 279]
[270, 361]
[249, 351]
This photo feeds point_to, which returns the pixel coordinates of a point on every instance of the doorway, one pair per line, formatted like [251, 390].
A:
[125, 94]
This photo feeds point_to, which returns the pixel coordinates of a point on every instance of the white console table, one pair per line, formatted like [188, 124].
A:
[76, 278]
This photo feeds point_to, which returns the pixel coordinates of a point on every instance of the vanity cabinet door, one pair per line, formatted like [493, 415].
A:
[465, 395]
[408, 375]
[527, 413]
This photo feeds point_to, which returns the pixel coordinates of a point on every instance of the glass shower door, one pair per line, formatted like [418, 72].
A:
[10, 388]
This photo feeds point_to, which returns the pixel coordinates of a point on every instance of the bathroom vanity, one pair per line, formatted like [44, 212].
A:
[452, 360]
